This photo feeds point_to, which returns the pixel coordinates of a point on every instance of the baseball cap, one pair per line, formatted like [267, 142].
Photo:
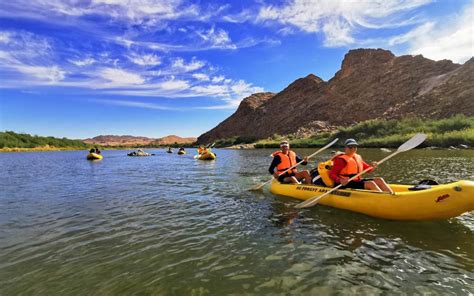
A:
[351, 142]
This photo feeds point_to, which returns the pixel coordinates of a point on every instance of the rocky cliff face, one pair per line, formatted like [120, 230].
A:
[112, 140]
[371, 84]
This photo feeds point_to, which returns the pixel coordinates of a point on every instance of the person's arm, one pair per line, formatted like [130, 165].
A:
[298, 159]
[337, 167]
[367, 166]
[275, 162]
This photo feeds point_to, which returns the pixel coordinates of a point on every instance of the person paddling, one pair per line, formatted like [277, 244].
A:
[348, 164]
[283, 160]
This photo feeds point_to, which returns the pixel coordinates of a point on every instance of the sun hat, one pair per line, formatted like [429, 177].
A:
[284, 143]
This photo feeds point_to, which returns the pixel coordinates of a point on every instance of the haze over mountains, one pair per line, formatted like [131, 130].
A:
[371, 84]
[112, 140]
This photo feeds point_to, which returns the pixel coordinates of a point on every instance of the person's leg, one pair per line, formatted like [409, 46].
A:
[303, 175]
[370, 185]
[383, 185]
[291, 180]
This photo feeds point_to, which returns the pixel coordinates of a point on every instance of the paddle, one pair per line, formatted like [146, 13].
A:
[260, 186]
[408, 145]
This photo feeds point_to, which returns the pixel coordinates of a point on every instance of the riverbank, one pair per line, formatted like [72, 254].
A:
[454, 132]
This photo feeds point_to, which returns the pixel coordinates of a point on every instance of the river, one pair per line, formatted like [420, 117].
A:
[172, 225]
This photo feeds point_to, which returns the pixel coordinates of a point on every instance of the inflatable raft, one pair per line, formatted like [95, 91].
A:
[93, 156]
[434, 203]
[206, 156]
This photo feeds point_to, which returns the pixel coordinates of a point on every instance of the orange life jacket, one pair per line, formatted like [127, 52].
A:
[287, 161]
[353, 165]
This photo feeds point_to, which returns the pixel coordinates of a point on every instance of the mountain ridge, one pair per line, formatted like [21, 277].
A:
[371, 84]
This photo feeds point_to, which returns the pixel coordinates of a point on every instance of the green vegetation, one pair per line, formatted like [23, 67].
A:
[11, 141]
[452, 131]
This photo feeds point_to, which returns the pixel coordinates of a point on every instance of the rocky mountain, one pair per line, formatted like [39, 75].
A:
[112, 140]
[371, 84]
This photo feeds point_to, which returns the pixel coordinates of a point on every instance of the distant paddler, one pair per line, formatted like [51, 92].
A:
[169, 150]
[285, 159]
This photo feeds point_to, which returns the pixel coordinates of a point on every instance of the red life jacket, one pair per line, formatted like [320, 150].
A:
[354, 165]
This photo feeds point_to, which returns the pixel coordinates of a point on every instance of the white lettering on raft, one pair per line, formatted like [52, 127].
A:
[322, 190]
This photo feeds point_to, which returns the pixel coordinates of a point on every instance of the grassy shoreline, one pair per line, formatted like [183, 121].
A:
[444, 133]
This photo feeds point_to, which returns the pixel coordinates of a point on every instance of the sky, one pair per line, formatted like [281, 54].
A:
[82, 68]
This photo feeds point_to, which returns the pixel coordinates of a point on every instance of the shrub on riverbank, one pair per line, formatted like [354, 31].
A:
[452, 131]
[11, 141]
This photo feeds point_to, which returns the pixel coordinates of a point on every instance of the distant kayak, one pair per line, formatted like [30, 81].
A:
[409, 202]
[181, 152]
[94, 156]
[206, 156]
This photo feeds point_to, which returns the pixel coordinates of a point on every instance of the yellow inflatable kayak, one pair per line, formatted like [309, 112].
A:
[436, 203]
[206, 156]
[181, 152]
[92, 156]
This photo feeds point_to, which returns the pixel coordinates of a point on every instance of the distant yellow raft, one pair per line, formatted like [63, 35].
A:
[440, 202]
[181, 152]
[206, 156]
[92, 156]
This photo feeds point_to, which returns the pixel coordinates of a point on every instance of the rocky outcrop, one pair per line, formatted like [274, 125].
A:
[112, 140]
[371, 84]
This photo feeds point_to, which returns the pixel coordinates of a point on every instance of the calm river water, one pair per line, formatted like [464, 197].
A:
[172, 225]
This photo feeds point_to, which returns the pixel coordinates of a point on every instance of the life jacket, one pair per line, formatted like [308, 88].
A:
[323, 170]
[353, 165]
[286, 161]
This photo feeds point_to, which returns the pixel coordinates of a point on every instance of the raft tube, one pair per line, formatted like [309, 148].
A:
[435, 203]
[94, 156]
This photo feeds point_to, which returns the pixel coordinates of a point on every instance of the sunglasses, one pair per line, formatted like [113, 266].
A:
[351, 147]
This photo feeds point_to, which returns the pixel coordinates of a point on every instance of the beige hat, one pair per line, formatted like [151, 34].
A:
[284, 143]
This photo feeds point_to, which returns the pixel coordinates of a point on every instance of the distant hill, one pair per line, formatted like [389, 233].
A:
[371, 84]
[133, 141]
[10, 139]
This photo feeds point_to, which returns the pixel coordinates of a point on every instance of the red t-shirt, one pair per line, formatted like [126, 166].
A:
[339, 164]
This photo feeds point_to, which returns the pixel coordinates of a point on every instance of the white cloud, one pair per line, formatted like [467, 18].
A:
[452, 40]
[51, 75]
[201, 76]
[145, 59]
[174, 84]
[339, 19]
[119, 77]
[180, 65]
[219, 78]
[338, 33]
[83, 62]
[217, 38]
[133, 104]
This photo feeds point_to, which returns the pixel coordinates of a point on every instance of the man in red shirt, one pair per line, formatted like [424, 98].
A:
[350, 164]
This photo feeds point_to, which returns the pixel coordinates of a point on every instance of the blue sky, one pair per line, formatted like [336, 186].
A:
[152, 68]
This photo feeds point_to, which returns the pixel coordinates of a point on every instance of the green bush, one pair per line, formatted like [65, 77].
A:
[10, 139]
